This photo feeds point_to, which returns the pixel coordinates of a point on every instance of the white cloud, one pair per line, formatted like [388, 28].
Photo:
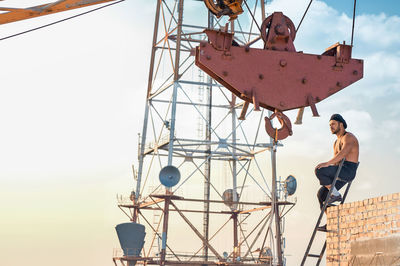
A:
[388, 129]
[360, 122]
[381, 74]
[380, 30]
[394, 111]
[397, 149]
[365, 186]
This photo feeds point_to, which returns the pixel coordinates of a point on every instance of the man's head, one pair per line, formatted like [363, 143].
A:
[337, 123]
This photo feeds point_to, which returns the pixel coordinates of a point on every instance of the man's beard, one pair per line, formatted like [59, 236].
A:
[335, 131]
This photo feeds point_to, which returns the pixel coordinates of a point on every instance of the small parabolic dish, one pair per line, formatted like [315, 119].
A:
[169, 176]
[266, 255]
[290, 185]
[228, 197]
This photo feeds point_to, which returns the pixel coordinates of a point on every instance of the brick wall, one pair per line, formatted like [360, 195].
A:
[364, 232]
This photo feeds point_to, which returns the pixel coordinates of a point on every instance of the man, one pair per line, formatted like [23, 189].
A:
[345, 146]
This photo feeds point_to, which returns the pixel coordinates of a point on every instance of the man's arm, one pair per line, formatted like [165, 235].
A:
[348, 143]
[334, 147]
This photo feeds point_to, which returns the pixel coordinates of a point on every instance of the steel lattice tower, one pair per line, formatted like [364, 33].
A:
[225, 172]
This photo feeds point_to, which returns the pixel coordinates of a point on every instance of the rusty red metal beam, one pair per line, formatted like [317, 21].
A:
[277, 77]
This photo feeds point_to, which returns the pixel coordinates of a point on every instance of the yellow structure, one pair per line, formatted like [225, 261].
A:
[17, 14]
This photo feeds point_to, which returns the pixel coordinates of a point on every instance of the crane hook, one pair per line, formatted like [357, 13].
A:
[281, 133]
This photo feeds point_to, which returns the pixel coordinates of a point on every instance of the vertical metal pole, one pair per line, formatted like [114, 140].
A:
[234, 184]
[262, 3]
[233, 113]
[207, 164]
[172, 123]
[235, 236]
[176, 83]
[275, 207]
[146, 112]
[172, 127]
[178, 40]
[207, 170]
[165, 231]
[234, 172]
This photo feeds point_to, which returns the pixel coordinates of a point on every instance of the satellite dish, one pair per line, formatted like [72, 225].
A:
[266, 255]
[227, 196]
[290, 185]
[132, 196]
[169, 176]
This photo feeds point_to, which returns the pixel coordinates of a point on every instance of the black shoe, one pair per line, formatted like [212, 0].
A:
[322, 228]
[333, 199]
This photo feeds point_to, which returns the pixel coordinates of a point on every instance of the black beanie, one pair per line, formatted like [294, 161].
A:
[339, 118]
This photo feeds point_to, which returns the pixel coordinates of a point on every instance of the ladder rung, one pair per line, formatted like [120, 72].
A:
[313, 255]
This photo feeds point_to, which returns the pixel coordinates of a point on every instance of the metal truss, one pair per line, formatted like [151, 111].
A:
[191, 122]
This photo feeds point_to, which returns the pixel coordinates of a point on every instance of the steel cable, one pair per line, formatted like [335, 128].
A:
[354, 18]
[309, 4]
[62, 20]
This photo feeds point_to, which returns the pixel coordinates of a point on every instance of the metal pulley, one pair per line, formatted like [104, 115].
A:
[281, 133]
[279, 27]
[278, 32]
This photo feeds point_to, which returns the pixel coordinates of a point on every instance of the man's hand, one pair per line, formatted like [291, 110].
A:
[321, 165]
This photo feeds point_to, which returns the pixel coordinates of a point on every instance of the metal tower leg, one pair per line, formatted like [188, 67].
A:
[207, 165]
[275, 208]
[146, 112]
[165, 231]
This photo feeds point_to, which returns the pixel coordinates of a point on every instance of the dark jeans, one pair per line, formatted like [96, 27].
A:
[327, 174]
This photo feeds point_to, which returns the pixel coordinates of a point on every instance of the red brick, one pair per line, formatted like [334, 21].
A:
[370, 218]
[370, 201]
[385, 198]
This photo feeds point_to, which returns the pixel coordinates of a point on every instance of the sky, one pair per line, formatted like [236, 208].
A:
[71, 105]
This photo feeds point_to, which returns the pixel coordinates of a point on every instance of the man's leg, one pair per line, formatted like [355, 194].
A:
[326, 176]
[321, 195]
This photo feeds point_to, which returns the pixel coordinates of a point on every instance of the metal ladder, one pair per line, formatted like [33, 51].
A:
[321, 254]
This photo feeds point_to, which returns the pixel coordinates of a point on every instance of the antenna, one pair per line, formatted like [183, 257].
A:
[169, 176]
[134, 172]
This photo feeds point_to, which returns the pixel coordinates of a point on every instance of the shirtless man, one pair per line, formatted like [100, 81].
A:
[346, 146]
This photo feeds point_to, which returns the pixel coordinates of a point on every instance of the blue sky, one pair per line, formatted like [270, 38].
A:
[389, 7]
[71, 104]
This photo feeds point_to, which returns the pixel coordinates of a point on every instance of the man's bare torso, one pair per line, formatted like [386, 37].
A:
[351, 143]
